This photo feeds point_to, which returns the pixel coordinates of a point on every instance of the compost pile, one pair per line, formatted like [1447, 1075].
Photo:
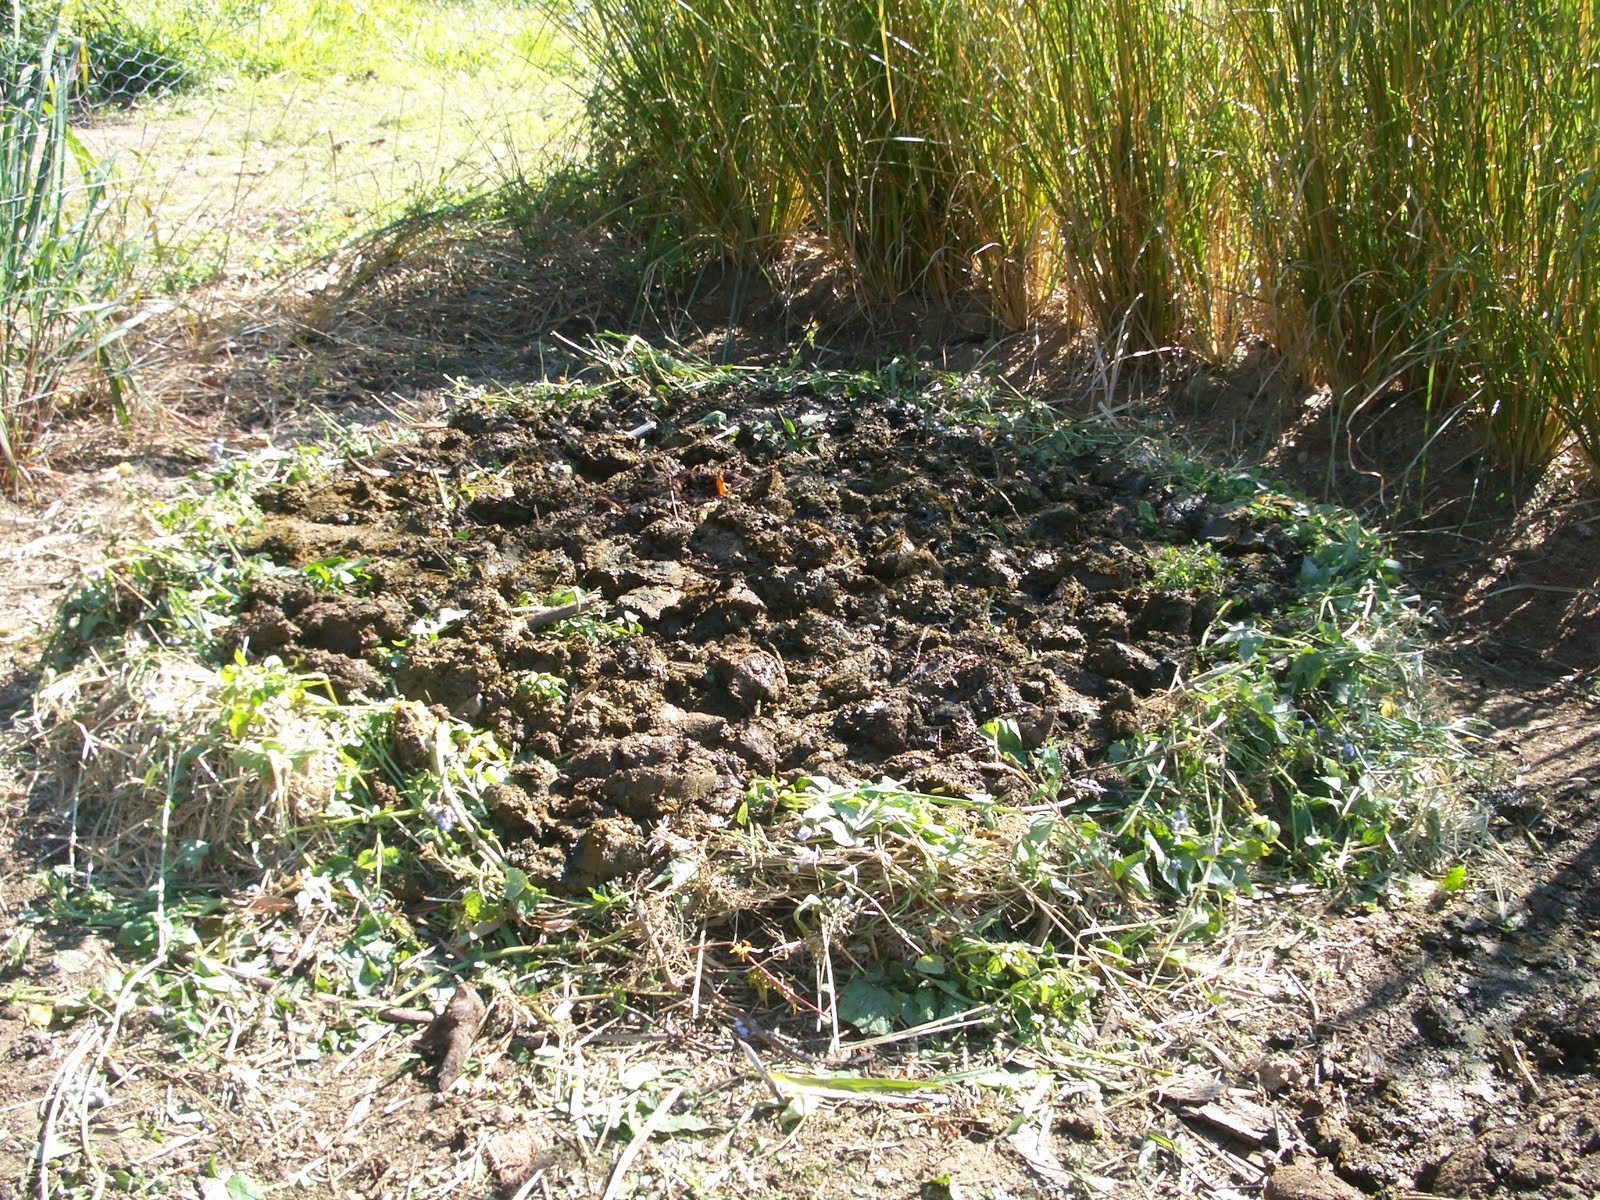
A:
[774, 585]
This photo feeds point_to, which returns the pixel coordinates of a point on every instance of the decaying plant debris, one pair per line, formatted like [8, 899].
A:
[839, 710]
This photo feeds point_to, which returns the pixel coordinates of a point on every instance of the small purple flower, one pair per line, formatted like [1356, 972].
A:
[216, 450]
[445, 819]
[1347, 753]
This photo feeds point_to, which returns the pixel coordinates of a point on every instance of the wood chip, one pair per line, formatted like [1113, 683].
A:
[1238, 1119]
[1194, 1089]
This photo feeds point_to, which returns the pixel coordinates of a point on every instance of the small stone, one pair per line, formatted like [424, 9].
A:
[740, 599]
[650, 602]
[1060, 523]
[898, 557]
[883, 723]
[1438, 1020]
[1278, 1072]
[411, 737]
[1126, 664]
[609, 849]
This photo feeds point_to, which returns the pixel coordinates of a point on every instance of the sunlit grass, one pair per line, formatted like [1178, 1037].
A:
[257, 176]
[312, 121]
[389, 40]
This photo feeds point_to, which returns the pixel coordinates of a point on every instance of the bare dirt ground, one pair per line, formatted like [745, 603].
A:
[1443, 1047]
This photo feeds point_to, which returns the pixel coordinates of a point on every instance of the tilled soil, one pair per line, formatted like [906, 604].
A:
[1448, 1047]
[822, 586]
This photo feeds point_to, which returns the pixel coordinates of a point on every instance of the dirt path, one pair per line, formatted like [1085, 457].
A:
[1452, 1047]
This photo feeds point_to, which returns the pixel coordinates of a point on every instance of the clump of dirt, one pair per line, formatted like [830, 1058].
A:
[803, 584]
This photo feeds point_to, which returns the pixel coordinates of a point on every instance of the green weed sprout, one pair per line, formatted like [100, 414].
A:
[60, 284]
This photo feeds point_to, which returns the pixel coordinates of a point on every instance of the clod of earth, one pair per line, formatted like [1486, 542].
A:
[857, 608]
[1304, 1181]
[449, 1039]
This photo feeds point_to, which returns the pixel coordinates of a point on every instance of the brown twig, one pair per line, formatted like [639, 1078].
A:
[550, 616]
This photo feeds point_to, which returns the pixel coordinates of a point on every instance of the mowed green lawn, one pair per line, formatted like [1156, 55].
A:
[312, 120]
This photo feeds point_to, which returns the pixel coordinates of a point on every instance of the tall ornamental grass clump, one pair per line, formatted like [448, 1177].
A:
[876, 126]
[1419, 180]
[900, 142]
[1530, 200]
[683, 110]
[1333, 177]
[942, 146]
[58, 286]
[1123, 115]
[1402, 198]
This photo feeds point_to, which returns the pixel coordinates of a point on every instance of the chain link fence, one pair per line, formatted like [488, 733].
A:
[119, 59]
